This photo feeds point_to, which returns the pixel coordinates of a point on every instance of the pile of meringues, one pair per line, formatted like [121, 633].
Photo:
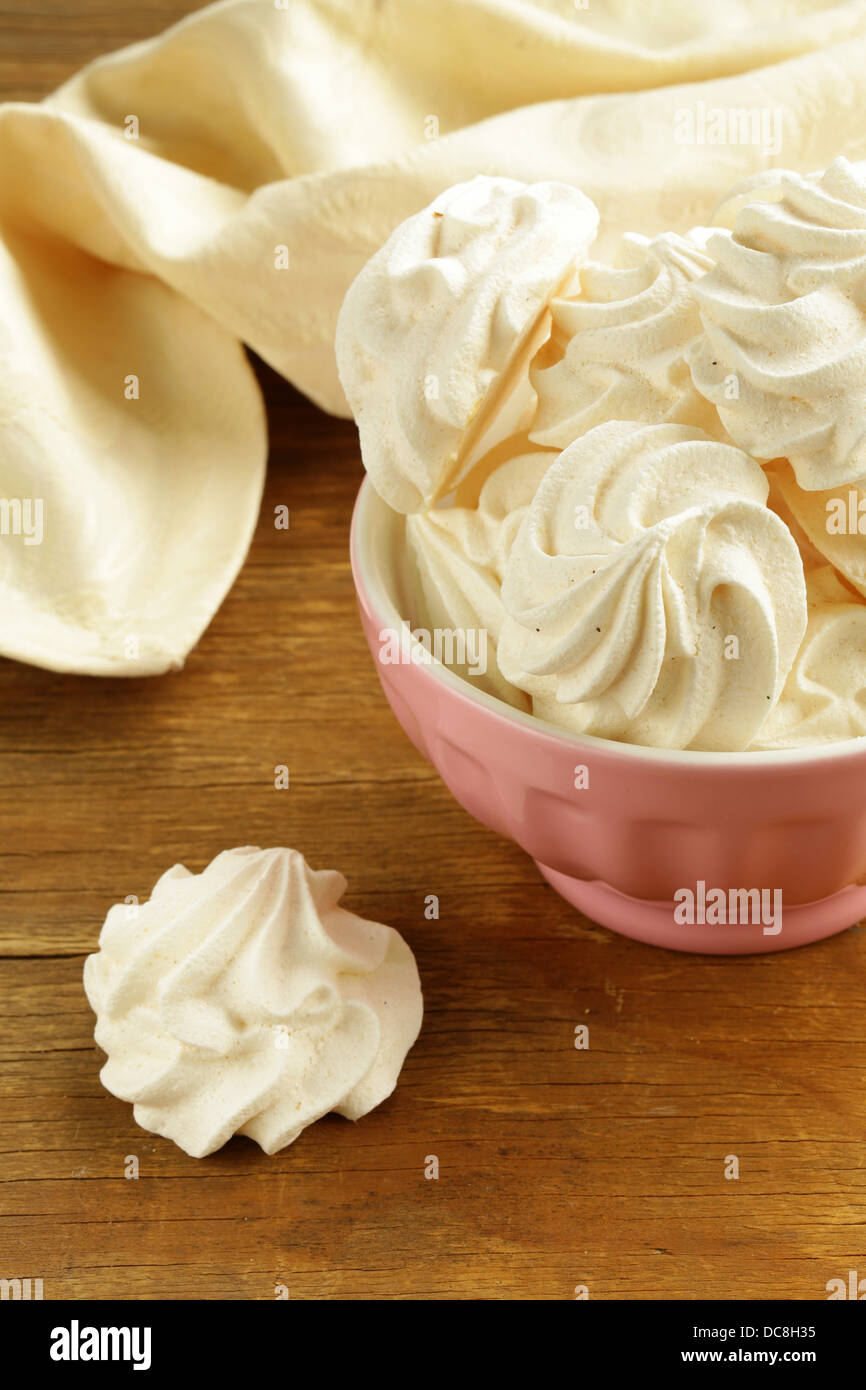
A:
[644, 481]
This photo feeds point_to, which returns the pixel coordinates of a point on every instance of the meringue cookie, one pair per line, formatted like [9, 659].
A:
[784, 311]
[831, 522]
[646, 550]
[458, 555]
[824, 698]
[776, 500]
[617, 350]
[244, 1000]
[435, 334]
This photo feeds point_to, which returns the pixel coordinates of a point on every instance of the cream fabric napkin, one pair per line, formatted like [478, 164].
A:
[223, 184]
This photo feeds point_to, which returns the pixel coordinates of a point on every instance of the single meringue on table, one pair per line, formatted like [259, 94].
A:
[824, 698]
[457, 557]
[244, 1000]
[617, 348]
[651, 594]
[435, 334]
[783, 356]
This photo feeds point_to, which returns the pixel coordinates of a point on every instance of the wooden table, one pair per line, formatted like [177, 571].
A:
[558, 1167]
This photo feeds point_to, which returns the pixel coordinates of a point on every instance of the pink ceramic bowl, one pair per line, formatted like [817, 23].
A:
[620, 830]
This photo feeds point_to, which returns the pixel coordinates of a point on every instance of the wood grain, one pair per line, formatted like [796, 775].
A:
[44, 43]
[558, 1167]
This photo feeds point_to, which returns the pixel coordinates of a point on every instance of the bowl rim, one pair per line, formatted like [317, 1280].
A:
[374, 596]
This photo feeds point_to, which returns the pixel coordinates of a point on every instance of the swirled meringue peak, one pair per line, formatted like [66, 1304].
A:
[617, 349]
[244, 1000]
[833, 523]
[824, 698]
[435, 334]
[652, 596]
[457, 558]
[783, 356]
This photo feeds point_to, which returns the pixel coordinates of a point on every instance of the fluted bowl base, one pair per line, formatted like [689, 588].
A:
[653, 922]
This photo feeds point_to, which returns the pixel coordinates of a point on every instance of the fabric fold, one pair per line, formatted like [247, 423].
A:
[224, 183]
